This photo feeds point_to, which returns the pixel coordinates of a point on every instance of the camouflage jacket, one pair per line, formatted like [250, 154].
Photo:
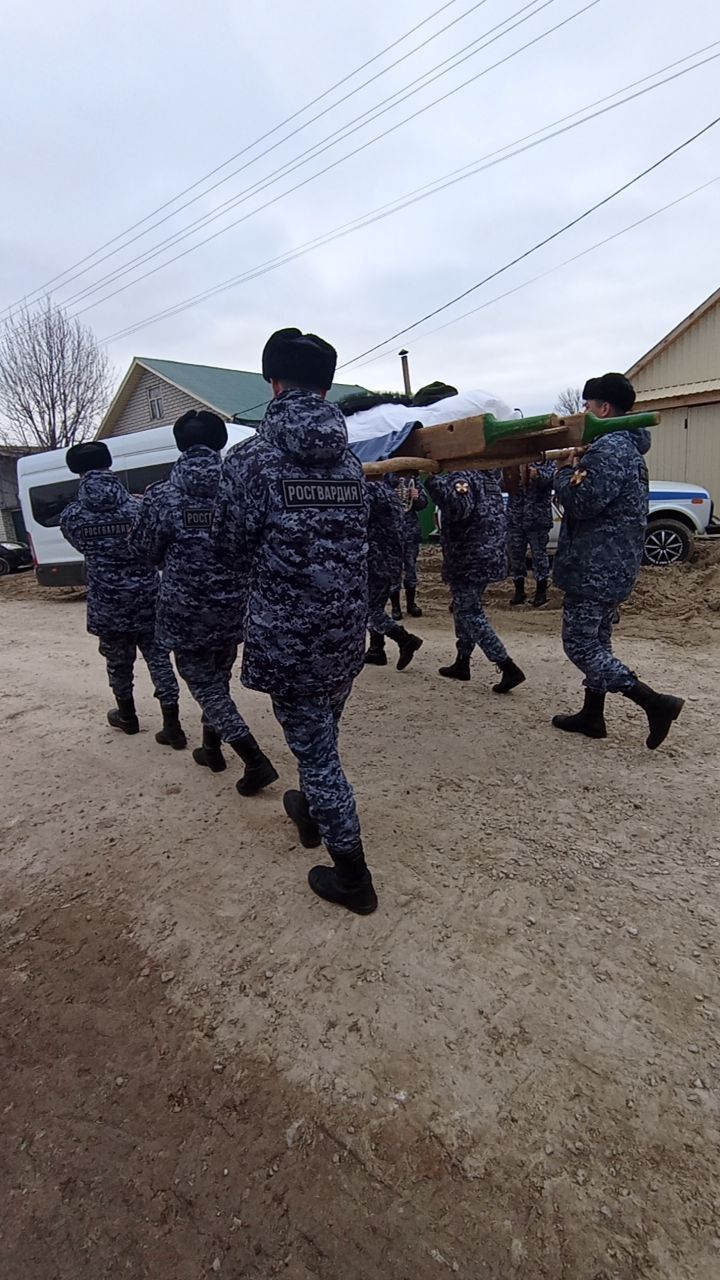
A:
[291, 506]
[121, 587]
[530, 508]
[602, 535]
[202, 601]
[385, 534]
[472, 527]
[412, 532]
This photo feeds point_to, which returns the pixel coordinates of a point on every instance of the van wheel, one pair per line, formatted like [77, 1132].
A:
[4, 567]
[667, 542]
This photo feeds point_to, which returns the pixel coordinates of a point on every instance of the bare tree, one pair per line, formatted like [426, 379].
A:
[570, 401]
[54, 379]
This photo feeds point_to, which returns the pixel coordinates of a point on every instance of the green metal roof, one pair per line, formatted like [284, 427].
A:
[232, 392]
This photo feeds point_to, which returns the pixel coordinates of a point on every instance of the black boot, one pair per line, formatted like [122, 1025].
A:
[512, 676]
[459, 670]
[408, 645]
[661, 709]
[375, 655]
[395, 602]
[125, 717]
[540, 597]
[210, 755]
[298, 811]
[259, 772]
[519, 597]
[171, 734]
[590, 721]
[413, 609]
[348, 883]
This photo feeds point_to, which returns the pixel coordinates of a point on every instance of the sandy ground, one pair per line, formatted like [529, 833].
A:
[510, 1070]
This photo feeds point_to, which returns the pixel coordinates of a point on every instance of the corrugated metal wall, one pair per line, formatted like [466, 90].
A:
[686, 446]
[693, 357]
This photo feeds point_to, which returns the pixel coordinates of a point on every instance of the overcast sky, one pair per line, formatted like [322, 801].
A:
[114, 109]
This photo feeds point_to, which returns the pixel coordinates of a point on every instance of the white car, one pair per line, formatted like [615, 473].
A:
[678, 513]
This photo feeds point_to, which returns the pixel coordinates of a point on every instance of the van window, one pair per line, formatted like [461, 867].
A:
[140, 478]
[48, 501]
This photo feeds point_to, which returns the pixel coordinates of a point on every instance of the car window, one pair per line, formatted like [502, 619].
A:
[138, 480]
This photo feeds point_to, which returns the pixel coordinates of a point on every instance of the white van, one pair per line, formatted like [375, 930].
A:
[47, 486]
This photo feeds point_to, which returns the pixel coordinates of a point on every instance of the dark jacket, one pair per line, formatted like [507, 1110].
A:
[530, 507]
[202, 602]
[604, 519]
[472, 527]
[385, 534]
[412, 530]
[121, 587]
[292, 506]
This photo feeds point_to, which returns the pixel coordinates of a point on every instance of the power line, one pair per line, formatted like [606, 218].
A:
[533, 280]
[437, 185]
[288, 120]
[599, 244]
[334, 164]
[539, 245]
[305, 157]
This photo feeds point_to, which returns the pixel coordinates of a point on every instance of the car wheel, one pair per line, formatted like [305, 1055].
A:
[5, 567]
[667, 542]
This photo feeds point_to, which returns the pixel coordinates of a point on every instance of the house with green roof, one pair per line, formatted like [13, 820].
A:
[154, 393]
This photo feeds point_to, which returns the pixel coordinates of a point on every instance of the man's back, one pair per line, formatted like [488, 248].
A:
[121, 588]
[291, 506]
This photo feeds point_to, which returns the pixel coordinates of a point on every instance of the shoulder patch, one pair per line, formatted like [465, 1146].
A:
[108, 529]
[321, 495]
[198, 517]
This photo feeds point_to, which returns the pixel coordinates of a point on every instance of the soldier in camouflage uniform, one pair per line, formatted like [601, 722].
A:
[473, 536]
[529, 521]
[385, 551]
[291, 507]
[604, 496]
[121, 589]
[413, 500]
[201, 607]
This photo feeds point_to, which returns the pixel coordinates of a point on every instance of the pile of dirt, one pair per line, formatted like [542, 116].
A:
[24, 586]
[682, 592]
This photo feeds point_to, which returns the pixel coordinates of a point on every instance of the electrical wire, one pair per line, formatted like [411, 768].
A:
[439, 184]
[539, 245]
[599, 244]
[334, 164]
[305, 157]
[268, 134]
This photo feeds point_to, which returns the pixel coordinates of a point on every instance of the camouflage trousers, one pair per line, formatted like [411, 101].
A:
[518, 542]
[472, 625]
[378, 619]
[120, 651]
[409, 576]
[311, 727]
[207, 674]
[587, 641]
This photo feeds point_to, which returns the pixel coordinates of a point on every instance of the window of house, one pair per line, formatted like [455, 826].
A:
[156, 404]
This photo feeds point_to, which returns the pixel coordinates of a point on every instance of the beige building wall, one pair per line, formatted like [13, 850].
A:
[136, 415]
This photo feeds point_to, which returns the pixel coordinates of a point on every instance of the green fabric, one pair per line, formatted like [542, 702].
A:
[230, 392]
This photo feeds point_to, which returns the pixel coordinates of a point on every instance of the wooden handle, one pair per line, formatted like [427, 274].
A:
[387, 465]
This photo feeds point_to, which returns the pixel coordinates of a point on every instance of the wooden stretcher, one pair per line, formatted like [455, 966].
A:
[483, 442]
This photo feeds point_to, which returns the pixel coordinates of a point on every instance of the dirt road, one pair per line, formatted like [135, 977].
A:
[511, 1070]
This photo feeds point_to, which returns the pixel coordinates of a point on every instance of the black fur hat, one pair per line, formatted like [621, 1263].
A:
[614, 389]
[199, 426]
[92, 456]
[300, 358]
[433, 392]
